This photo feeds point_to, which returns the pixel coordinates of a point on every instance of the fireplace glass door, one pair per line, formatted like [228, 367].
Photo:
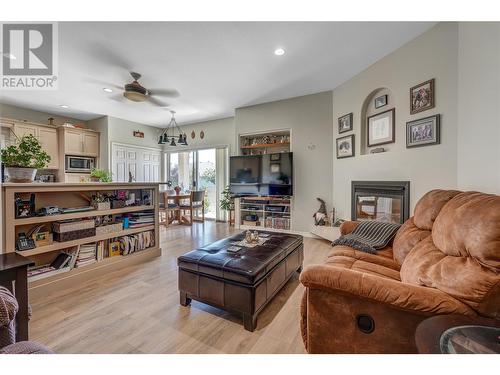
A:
[377, 207]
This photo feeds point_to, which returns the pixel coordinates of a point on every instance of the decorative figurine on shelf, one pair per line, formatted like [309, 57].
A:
[320, 216]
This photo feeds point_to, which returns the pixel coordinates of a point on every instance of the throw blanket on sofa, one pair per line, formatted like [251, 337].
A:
[369, 236]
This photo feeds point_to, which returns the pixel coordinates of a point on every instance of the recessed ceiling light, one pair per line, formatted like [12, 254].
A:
[279, 51]
[64, 106]
[107, 90]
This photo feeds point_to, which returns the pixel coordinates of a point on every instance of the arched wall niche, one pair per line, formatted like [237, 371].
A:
[368, 109]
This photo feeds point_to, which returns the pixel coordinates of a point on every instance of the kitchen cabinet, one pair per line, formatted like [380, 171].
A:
[91, 144]
[47, 137]
[81, 142]
[25, 129]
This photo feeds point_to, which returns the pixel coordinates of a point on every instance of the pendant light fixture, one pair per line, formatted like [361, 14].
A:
[172, 133]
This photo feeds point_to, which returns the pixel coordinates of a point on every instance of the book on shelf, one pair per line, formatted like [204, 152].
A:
[136, 242]
[86, 255]
[64, 262]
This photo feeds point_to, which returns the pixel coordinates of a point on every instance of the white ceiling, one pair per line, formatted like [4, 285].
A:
[216, 66]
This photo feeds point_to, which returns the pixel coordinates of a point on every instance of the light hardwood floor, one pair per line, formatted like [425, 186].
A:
[136, 309]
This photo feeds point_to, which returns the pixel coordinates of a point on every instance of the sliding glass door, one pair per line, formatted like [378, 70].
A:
[206, 177]
[204, 169]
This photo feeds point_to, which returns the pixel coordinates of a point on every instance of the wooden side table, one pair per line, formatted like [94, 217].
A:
[14, 276]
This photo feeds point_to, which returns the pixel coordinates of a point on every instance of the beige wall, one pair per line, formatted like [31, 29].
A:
[217, 133]
[18, 113]
[478, 151]
[310, 120]
[432, 55]
[116, 130]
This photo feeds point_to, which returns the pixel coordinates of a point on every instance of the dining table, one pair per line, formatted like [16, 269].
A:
[177, 198]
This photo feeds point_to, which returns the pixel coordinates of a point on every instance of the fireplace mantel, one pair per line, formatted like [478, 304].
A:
[380, 200]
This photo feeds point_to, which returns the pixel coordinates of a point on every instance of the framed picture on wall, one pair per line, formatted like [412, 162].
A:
[422, 97]
[380, 101]
[423, 132]
[345, 147]
[381, 128]
[345, 123]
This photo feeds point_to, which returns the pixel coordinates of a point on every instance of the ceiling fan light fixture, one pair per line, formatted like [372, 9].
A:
[135, 96]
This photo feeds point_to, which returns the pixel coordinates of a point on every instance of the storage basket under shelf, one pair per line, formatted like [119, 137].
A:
[111, 228]
[74, 235]
[72, 225]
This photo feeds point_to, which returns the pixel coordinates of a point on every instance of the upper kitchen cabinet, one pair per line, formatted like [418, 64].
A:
[47, 136]
[48, 139]
[91, 144]
[80, 142]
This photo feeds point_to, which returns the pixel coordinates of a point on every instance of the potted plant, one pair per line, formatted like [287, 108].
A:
[22, 160]
[226, 202]
[100, 175]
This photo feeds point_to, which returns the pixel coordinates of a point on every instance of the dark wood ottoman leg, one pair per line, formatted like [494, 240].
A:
[249, 322]
[184, 299]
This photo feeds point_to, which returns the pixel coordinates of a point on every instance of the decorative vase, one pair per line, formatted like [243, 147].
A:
[95, 179]
[20, 174]
[177, 190]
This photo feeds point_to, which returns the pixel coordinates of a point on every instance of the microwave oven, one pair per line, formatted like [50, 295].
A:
[79, 164]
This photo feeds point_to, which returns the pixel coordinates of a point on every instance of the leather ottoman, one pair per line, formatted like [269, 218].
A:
[241, 282]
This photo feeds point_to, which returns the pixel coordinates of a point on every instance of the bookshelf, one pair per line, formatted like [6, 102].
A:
[78, 195]
[272, 213]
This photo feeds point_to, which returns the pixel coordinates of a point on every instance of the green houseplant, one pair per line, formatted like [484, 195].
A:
[226, 201]
[101, 175]
[22, 160]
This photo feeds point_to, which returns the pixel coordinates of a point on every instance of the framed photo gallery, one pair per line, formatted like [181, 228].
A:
[381, 126]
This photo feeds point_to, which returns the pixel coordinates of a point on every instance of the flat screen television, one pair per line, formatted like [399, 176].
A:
[269, 174]
[277, 169]
[244, 169]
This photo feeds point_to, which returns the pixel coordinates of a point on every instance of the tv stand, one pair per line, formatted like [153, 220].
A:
[270, 213]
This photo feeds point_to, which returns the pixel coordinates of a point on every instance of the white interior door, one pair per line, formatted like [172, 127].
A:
[142, 163]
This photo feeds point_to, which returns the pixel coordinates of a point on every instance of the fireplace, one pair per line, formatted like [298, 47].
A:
[387, 201]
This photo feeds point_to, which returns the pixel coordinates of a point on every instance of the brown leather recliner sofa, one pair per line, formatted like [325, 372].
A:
[443, 260]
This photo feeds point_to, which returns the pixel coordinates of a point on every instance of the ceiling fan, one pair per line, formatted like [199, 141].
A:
[135, 92]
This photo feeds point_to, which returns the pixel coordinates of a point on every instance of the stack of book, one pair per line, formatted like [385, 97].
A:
[63, 262]
[86, 255]
[101, 250]
[137, 242]
[141, 219]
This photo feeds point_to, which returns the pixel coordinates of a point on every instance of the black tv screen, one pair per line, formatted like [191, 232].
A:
[244, 169]
[277, 169]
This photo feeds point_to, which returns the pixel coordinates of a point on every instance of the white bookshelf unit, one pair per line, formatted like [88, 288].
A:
[264, 212]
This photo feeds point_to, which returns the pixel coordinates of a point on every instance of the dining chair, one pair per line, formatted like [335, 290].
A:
[172, 210]
[196, 203]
